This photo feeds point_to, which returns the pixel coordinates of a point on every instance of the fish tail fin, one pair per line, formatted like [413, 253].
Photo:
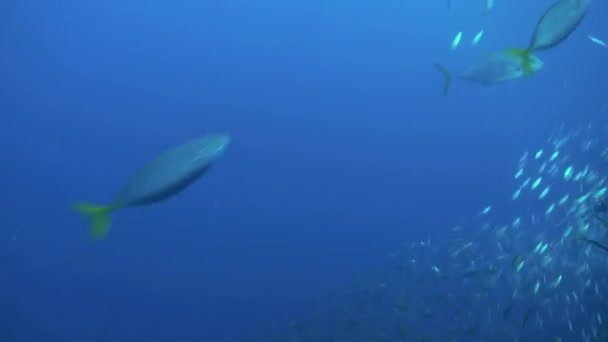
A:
[525, 55]
[447, 78]
[99, 217]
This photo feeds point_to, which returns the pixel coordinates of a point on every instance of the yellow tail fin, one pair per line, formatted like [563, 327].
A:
[447, 78]
[99, 217]
[526, 59]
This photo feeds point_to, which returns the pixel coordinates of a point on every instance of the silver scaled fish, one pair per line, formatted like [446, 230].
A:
[171, 172]
[494, 68]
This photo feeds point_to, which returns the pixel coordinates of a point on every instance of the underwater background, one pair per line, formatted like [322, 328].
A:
[344, 154]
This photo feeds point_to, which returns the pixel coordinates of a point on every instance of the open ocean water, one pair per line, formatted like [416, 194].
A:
[354, 202]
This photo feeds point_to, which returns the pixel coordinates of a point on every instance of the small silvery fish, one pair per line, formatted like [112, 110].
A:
[477, 38]
[593, 242]
[456, 40]
[598, 41]
[171, 172]
[488, 6]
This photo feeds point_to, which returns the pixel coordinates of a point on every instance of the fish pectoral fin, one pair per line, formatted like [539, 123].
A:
[525, 55]
[99, 217]
[447, 78]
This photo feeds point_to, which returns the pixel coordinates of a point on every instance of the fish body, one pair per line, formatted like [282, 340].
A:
[164, 177]
[495, 68]
[171, 172]
[456, 40]
[516, 194]
[598, 41]
[485, 210]
[488, 5]
[568, 173]
[558, 22]
[593, 242]
[477, 38]
[554, 156]
[544, 193]
[550, 209]
[556, 282]
[536, 183]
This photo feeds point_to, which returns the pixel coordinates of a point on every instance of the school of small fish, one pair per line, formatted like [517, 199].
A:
[540, 275]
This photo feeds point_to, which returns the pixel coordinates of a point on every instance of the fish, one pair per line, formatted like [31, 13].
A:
[554, 27]
[593, 242]
[162, 178]
[557, 281]
[485, 210]
[488, 6]
[456, 40]
[544, 193]
[477, 38]
[554, 156]
[494, 68]
[600, 219]
[557, 23]
[568, 173]
[518, 262]
[598, 41]
[536, 183]
[519, 173]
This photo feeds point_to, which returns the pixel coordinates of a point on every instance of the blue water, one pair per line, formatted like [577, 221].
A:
[343, 150]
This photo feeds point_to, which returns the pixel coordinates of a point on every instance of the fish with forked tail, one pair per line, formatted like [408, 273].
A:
[494, 68]
[171, 172]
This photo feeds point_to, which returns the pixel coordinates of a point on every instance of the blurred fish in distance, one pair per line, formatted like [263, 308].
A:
[171, 172]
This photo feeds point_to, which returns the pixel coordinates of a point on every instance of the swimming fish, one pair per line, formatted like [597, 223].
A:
[559, 21]
[477, 38]
[593, 242]
[598, 41]
[171, 172]
[495, 68]
[488, 5]
[456, 40]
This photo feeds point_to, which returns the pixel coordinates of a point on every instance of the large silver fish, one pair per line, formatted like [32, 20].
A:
[558, 22]
[171, 172]
[495, 68]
